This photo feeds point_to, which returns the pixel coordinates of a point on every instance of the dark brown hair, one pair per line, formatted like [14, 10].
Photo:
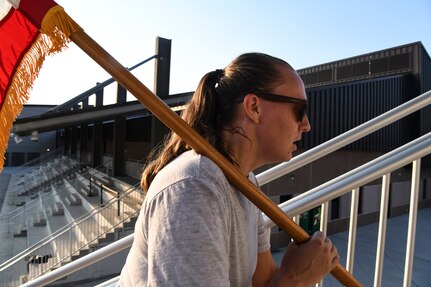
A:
[213, 105]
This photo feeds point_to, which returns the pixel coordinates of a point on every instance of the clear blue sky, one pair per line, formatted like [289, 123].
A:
[207, 35]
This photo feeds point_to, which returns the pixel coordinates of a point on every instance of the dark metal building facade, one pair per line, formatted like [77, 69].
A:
[348, 92]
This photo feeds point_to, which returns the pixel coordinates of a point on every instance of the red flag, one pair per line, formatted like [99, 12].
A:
[28, 33]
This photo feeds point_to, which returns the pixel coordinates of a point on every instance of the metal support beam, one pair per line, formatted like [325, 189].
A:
[73, 140]
[119, 146]
[74, 136]
[119, 136]
[162, 67]
[97, 144]
[96, 157]
[67, 143]
[121, 94]
[83, 137]
[54, 121]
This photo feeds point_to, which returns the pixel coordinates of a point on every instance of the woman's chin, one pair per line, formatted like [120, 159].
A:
[287, 157]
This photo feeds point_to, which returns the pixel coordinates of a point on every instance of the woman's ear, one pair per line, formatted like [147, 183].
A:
[252, 107]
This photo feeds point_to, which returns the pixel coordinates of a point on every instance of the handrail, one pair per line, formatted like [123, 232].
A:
[27, 164]
[95, 89]
[109, 282]
[52, 235]
[25, 208]
[95, 171]
[369, 164]
[357, 177]
[97, 212]
[103, 187]
[22, 209]
[315, 197]
[82, 262]
[26, 180]
[107, 188]
[61, 231]
[39, 166]
[346, 138]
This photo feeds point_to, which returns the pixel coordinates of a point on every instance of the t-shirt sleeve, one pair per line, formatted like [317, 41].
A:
[263, 234]
[187, 236]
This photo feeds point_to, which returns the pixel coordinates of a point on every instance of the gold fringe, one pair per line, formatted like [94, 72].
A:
[57, 27]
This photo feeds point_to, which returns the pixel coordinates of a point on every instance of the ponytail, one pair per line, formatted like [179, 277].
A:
[199, 114]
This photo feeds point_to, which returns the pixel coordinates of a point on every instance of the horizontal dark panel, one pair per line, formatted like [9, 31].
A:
[337, 108]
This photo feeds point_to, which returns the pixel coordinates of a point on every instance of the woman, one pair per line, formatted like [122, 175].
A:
[195, 229]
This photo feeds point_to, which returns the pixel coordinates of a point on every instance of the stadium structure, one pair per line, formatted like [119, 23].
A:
[71, 179]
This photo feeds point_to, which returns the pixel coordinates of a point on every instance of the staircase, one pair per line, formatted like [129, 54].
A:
[77, 210]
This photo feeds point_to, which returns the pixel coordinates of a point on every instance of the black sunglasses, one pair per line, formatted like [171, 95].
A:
[300, 107]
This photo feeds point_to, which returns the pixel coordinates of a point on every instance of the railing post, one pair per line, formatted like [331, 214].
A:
[70, 238]
[118, 203]
[324, 211]
[296, 219]
[352, 230]
[380, 252]
[411, 233]
[91, 191]
[101, 194]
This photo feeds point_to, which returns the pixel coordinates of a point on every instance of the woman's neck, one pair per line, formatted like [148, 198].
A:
[239, 146]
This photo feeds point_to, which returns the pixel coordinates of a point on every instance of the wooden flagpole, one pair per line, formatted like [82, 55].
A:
[200, 145]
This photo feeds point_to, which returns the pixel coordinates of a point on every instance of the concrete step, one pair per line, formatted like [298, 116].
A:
[57, 209]
[73, 199]
[20, 231]
[39, 220]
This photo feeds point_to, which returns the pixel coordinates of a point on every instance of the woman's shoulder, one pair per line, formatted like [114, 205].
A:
[189, 166]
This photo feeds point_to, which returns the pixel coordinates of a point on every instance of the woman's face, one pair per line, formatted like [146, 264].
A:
[279, 129]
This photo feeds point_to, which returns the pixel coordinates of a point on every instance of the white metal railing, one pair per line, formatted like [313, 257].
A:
[352, 230]
[21, 217]
[22, 170]
[411, 233]
[34, 177]
[358, 176]
[81, 235]
[32, 172]
[315, 197]
[381, 237]
[21, 214]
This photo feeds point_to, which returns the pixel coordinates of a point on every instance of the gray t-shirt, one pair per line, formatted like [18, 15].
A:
[195, 229]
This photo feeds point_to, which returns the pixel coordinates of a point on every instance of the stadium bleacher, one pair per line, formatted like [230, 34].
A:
[58, 211]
